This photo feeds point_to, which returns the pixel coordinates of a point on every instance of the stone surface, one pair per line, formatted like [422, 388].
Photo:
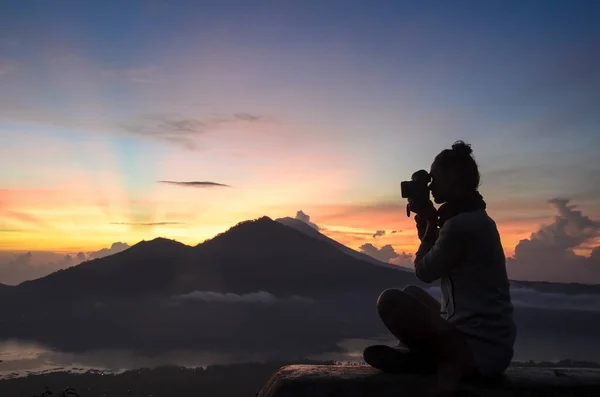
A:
[362, 380]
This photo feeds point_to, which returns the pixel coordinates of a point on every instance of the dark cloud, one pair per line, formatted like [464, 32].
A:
[394, 231]
[166, 126]
[147, 224]
[384, 254]
[247, 117]
[301, 215]
[194, 183]
[379, 233]
[182, 130]
[548, 254]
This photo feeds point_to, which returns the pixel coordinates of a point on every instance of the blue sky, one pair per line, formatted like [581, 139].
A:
[323, 106]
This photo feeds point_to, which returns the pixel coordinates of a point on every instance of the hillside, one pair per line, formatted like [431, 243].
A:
[273, 257]
[312, 232]
[255, 255]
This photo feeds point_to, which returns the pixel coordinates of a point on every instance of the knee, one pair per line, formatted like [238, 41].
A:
[388, 299]
[413, 290]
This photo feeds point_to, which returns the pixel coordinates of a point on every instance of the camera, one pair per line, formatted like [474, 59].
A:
[416, 190]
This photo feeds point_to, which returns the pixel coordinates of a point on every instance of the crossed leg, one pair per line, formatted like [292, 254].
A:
[412, 315]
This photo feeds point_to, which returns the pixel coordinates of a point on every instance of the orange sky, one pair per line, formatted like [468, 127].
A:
[71, 218]
[299, 112]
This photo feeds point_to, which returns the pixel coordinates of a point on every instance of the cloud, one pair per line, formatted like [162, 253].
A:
[115, 248]
[403, 259]
[24, 217]
[530, 298]
[394, 231]
[135, 75]
[147, 224]
[301, 215]
[160, 126]
[194, 183]
[384, 254]
[182, 130]
[379, 233]
[33, 265]
[548, 254]
[25, 267]
[260, 297]
[7, 66]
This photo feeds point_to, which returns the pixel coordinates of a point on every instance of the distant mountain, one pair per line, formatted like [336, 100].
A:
[255, 255]
[280, 259]
[312, 232]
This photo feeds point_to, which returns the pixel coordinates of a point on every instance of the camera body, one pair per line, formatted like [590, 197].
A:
[416, 190]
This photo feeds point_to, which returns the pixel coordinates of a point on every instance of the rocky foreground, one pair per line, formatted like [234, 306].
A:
[362, 380]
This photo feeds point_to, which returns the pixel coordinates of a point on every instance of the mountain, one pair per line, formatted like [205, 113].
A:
[254, 255]
[314, 233]
[147, 268]
[271, 256]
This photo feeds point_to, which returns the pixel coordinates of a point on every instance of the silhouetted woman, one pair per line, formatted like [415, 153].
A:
[472, 332]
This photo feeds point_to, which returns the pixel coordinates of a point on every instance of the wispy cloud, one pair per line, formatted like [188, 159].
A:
[182, 130]
[379, 233]
[147, 223]
[135, 75]
[202, 184]
[261, 297]
[24, 217]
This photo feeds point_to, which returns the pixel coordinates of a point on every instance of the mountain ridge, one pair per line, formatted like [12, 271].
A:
[259, 254]
[312, 232]
[275, 255]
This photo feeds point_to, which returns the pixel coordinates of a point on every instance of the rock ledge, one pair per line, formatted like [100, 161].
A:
[362, 380]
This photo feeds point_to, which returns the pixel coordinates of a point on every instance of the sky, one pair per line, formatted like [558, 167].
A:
[308, 109]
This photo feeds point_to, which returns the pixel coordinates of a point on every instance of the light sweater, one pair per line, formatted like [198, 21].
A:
[469, 260]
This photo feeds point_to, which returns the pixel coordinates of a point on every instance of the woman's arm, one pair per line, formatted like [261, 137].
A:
[439, 251]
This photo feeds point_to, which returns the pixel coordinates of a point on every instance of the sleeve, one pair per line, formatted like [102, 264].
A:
[435, 260]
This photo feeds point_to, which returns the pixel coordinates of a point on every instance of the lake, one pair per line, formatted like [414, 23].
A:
[21, 358]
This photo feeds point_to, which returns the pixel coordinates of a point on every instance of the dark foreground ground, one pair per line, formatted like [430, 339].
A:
[237, 380]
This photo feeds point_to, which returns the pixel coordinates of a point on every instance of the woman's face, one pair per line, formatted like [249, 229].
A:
[442, 186]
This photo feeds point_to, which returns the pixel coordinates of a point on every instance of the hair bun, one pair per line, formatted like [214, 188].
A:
[462, 149]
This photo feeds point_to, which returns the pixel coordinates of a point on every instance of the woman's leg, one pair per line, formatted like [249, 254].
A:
[423, 330]
[422, 296]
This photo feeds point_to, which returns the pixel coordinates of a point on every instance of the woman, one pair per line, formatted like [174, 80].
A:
[472, 332]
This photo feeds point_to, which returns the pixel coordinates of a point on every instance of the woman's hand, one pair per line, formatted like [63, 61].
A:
[426, 220]
[431, 231]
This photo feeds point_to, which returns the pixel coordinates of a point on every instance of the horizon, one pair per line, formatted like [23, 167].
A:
[126, 122]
